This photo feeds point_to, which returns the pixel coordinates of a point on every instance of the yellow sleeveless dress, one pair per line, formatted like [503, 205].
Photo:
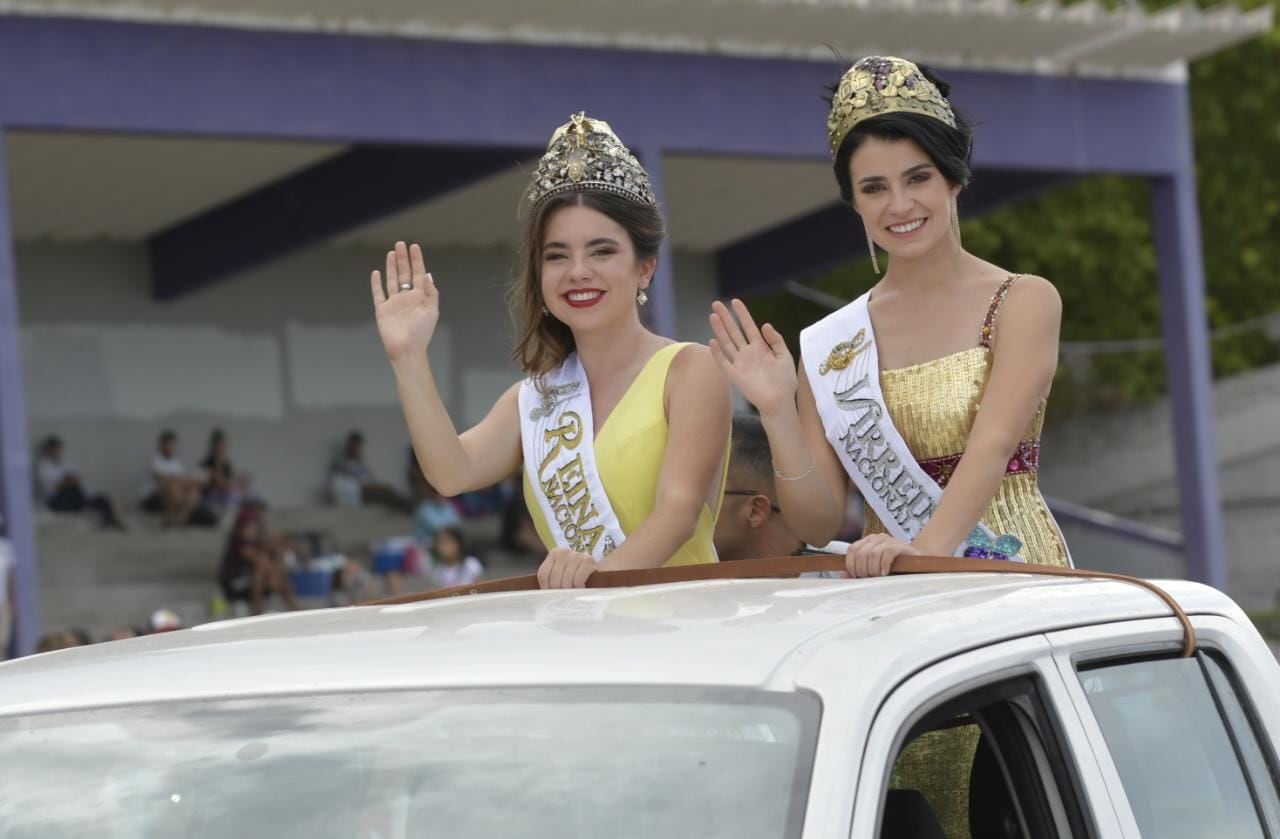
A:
[933, 406]
[629, 450]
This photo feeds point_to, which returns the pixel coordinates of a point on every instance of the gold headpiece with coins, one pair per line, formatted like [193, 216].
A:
[585, 154]
[878, 85]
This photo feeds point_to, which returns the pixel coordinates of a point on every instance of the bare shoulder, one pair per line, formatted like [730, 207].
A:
[695, 369]
[1032, 293]
[694, 360]
[1030, 316]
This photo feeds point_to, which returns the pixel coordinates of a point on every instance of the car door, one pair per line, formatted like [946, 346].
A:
[1188, 744]
[986, 745]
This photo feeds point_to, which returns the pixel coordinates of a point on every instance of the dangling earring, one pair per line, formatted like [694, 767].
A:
[641, 297]
[955, 223]
[545, 311]
[871, 246]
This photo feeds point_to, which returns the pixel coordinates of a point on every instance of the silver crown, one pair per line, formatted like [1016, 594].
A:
[584, 154]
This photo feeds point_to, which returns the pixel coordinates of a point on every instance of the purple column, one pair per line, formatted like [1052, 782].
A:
[662, 291]
[1187, 361]
[15, 462]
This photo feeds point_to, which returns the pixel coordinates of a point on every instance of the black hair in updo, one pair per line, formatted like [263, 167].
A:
[949, 148]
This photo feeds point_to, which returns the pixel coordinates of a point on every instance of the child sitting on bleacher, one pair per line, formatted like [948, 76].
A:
[451, 563]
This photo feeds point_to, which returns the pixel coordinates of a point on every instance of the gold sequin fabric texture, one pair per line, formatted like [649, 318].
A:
[933, 406]
[938, 764]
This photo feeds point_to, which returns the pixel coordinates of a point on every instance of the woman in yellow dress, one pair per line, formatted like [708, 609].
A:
[929, 391]
[623, 433]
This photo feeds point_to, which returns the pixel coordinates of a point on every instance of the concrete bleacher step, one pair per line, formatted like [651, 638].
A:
[98, 579]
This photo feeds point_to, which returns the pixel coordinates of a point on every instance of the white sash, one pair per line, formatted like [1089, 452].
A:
[840, 359]
[558, 437]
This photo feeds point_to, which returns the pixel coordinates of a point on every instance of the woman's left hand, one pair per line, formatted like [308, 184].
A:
[564, 568]
[873, 556]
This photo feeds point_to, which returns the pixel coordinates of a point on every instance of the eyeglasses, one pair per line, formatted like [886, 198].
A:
[751, 492]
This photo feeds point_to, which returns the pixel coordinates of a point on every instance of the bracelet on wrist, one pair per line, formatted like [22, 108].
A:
[777, 473]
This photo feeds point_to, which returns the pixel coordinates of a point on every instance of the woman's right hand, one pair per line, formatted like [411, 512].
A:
[409, 308]
[757, 361]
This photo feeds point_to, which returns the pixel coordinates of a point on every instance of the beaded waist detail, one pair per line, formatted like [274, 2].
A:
[1026, 458]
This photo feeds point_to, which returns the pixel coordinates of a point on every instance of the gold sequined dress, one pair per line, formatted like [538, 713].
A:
[933, 406]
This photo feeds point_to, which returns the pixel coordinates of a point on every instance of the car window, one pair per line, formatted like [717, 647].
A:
[1172, 749]
[526, 764]
[935, 769]
[1257, 757]
[986, 766]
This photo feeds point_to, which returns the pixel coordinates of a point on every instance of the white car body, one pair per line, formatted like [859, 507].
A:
[877, 653]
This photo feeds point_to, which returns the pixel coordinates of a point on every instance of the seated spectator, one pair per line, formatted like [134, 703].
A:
[121, 633]
[351, 583]
[751, 525]
[433, 513]
[58, 639]
[164, 620]
[61, 490]
[224, 489]
[394, 558]
[250, 568]
[451, 563]
[352, 483]
[171, 490]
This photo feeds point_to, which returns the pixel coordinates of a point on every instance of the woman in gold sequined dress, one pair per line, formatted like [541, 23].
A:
[966, 349]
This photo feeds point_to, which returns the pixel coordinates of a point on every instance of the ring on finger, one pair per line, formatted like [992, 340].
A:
[406, 286]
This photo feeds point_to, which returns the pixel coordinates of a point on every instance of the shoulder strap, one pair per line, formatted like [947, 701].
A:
[792, 566]
[989, 323]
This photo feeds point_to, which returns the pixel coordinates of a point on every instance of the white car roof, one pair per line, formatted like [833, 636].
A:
[773, 634]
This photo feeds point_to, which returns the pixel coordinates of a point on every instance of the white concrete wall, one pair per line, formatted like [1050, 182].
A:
[1124, 463]
[285, 358]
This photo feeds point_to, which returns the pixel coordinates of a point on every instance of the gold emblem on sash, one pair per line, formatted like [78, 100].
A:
[843, 353]
[551, 397]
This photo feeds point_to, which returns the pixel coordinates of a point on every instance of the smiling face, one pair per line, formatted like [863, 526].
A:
[903, 199]
[589, 271]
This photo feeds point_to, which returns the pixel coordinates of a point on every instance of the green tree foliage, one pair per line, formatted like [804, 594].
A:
[1093, 239]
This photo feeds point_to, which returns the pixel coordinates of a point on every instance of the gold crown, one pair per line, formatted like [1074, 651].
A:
[585, 154]
[878, 85]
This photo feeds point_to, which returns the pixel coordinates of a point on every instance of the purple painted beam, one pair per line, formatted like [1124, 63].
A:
[833, 236]
[15, 462]
[94, 75]
[334, 196]
[1187, 364]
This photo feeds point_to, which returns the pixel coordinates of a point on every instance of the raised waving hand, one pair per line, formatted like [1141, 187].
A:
[408, 309]
[756, 360]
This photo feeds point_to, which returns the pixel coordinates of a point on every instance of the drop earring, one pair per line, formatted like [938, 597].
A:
[642, 298]
[871, 246]
[955, 223]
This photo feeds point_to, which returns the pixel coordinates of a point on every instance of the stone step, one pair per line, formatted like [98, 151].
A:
[98, 579]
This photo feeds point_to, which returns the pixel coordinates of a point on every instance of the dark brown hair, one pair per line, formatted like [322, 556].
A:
[543, 342]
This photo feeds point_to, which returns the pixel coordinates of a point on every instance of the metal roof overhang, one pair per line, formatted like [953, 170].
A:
[1045, 36]
[751, 165]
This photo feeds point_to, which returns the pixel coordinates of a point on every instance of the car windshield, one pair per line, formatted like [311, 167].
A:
[543, 764]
